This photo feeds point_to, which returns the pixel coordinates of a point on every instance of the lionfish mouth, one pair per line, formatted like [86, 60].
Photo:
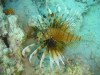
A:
[55, 37]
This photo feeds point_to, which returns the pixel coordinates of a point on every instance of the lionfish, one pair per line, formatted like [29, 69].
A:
[55, 36]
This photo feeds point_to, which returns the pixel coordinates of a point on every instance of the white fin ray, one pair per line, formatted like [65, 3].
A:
[56, 59]
[35, 52]
[49, 11]
[43, 56]
[59, 8]
[30, 57]
[51, 59]
[51, 62]
[60, 56]
[27, 48]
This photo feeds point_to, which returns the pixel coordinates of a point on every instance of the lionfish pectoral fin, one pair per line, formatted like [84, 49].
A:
[59, 55]
[43, 56]
[51, 59]
[27, 49]
[56, 60]
[35, 52]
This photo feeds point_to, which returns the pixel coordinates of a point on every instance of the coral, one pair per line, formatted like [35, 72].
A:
[10, 26]
[33, 21]
[9, 11]
[2, 45]
[16, 35]
[78, 66]
[11, 66]
[52, 36]
[3, 23]
[3, 49]
[10, 56]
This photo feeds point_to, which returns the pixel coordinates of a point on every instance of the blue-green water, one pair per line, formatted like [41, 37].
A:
[88, 26]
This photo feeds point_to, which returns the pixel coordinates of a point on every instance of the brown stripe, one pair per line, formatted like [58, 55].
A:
[71, 37]
[39, 48]
[67, 36]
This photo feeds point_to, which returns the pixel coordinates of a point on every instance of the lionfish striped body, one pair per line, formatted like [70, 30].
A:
[54, 36]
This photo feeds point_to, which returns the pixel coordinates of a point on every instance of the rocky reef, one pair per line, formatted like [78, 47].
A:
[11, 39]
